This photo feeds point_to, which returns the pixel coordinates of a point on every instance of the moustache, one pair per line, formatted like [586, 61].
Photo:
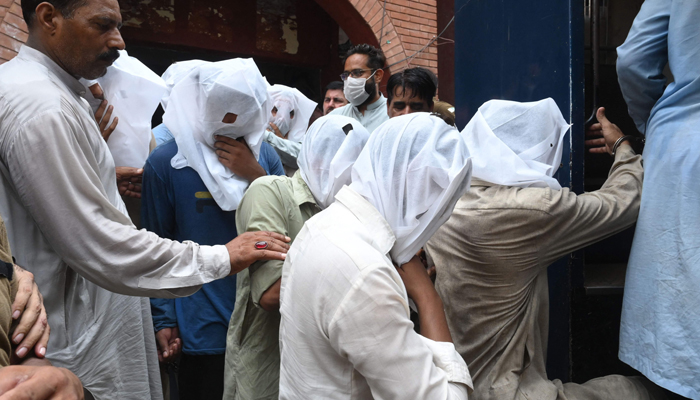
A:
[110, 55]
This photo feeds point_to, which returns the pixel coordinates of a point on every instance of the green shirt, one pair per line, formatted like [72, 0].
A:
[277, 204]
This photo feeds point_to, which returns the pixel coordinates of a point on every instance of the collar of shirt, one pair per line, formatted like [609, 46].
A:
[302, 193]
[381, 101]
[382, 236]
[29, 54]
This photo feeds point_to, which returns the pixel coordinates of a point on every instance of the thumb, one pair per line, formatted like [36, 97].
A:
[600, 115]
[162, 342]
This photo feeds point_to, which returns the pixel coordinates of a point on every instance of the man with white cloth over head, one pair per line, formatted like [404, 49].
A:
[345, 331]
[289, 120]
[492, 255]
[282, 204]
[227, 98]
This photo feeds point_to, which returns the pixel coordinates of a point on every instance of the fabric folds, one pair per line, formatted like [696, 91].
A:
[328, 153]
[413, 169]
[524, 141]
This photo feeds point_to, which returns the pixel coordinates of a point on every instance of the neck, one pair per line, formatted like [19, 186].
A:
[38, 45]
[363, 107]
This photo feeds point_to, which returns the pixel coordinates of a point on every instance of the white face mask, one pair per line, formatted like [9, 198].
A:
[354, 89]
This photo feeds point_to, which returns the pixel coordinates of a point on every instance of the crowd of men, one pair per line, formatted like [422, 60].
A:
[287, 244]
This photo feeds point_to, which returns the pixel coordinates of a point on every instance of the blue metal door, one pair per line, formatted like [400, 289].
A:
[526, 51]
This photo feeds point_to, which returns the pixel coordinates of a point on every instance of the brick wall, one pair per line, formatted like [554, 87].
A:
[13, 30]
[408, 26]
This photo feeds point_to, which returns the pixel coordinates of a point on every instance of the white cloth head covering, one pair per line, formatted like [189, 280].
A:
[174, 74]
[196, 107]
[134, 91]
[328, 153]
[413, 169]
[517, 144]
[287, 99]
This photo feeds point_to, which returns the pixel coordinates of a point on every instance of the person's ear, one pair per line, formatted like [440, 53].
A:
[46, 18]
[379, 75]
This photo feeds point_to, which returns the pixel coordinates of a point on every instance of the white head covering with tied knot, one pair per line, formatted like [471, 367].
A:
[328, 153]
[517, 144]
[413, 169]
[286, 100]
[196, 108]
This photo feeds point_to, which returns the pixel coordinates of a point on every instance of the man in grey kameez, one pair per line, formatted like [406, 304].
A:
[65, 218]
[492, 254]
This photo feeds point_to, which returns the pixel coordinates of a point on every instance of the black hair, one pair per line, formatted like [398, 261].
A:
[65, 7]
[419, 81]
[375, 57]
[335, 85]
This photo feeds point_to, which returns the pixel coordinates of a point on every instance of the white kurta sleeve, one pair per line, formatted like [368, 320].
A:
[288, 150]
[372, 330]
[59, 179]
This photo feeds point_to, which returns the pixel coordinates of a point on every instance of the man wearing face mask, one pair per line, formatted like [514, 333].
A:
[191, 188]
[288, 122]
[363, 71]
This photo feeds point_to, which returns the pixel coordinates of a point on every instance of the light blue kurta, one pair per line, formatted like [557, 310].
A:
[660, 330]
[375, 114]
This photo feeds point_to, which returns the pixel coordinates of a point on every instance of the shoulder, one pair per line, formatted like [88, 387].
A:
[161, 155]
[27, 90]
[268, 189]
[344, 110]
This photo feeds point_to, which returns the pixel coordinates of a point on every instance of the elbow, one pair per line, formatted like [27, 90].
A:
[269, 304]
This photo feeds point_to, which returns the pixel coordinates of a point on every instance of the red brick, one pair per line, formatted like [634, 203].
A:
[7, 54]
[399, 16]
[16, 9]
[6, 3]
[10, 43]
[13, 32]
[3, 11]
[402, 3]
[434, 64]
[12, 19]
[428, 2]
[363, 8]
[428, 29]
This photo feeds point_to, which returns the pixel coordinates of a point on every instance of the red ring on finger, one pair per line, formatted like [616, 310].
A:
[261, 245]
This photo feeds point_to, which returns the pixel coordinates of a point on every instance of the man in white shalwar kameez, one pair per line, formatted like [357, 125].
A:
[66, 220]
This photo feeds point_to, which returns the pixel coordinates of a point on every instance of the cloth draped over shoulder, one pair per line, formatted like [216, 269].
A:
[286, 100]
[196, 107]
[328, 153]
[517, 144]
[413, 169]
[134, 91]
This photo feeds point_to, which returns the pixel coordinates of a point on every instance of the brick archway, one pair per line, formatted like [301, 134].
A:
[408, 26]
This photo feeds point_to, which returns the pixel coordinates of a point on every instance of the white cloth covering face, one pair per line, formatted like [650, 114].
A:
[134, 91]
[174, 74]
[413, 169]
[196, 108]
[517, 144]
[286, 100]
[328, 153]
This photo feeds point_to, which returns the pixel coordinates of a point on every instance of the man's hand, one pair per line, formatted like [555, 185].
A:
[39, 383]
[609, 132]
[102, 115]
[129, 181]
[243, 252]
[33, 328]
[276, 131]
[237, 156]
[169, 344]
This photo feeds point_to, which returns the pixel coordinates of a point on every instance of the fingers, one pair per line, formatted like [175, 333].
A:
[269, 254]
[225, 140]
[600, 115]
[275, 235]
[108, 132]
[595, 142]
[34, 337]
[33, 312]
[105, 119]
[97, 91]
[163, 347]
[99, 113]
[601, 150]
[40, 348]
[25, 289]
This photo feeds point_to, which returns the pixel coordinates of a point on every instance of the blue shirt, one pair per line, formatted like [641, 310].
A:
[162, 134]
[175, 204]
[660, 327]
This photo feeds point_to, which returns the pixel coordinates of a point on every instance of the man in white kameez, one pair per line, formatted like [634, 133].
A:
[66, 220]
[345, 331]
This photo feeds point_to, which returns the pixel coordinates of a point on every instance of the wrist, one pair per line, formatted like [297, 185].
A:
[620, 141]
[427, 298]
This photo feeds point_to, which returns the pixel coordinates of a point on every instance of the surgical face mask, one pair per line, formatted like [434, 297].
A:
[355, 90]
